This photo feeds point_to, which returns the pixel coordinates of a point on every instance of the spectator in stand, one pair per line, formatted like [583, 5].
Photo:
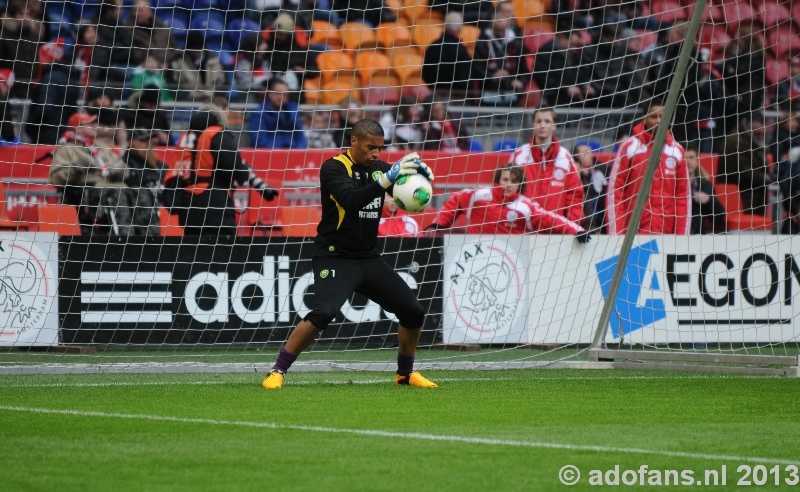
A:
[369, 12]
[319, 135]
[144, 176]
[287, 52]
[352, 115]
[557, 69]
[111, 132]
[251, 67]
[150, 74]
[8, 132]
[611, 70]
[20, 39]
[83, 58]
[499, 64]
[91, 179]
[744, 163]
[699, 116]
[594, 178]
[144, 113]
[505, 10]
[788, 91]
[668, 209]
[706, 207]
[471, 11]
[150, 36]
[503, 209]
[197, 72]
[446, 64]
[552, 176]
[443, 131]
[663, 58]
[112, 51]
[276, 124]
[788, 136]
[621, 136]
[743, 73]
[408, 131]
[396, 222]
[789, 182]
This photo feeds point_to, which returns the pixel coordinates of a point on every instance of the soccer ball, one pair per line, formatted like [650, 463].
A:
[412, 192]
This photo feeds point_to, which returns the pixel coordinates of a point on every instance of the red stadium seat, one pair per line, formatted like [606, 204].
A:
[783, 41]
[300, 221]
[776, 71]
[714, 37]
[668, 10]
[737, 13]
[771, 13]
[170, 226]
[711, 13]
[532, 97]
[535, 39]
[62, 219]
[737, 220]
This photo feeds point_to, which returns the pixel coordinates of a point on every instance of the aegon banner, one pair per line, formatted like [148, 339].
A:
[676, 289]
[187, 290]
[28, 288]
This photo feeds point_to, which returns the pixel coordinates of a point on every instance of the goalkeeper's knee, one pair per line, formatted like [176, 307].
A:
[412, 317]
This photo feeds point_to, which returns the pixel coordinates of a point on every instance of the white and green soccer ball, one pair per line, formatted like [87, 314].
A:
[412, 192]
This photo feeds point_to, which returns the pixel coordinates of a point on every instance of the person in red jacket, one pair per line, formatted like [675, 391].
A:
[502, 209]
[396, 222]
[552, 176]
[669, 208]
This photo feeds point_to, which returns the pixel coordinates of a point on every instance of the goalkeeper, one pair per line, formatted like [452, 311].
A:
[346, 258]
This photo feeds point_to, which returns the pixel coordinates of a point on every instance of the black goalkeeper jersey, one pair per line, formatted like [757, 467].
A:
[352, 202]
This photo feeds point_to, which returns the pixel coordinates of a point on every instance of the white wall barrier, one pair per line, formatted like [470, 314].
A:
[28, 288]
[677, 289]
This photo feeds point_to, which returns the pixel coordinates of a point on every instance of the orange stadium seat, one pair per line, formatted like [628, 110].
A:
[736, 219]
[300, 221]
[406, 64]
[412, 10]
[423, 36]
[336, 66]
[325, 33]
[311, 90]
[62, 219]
[525, 9]
[356, 35]
[370, 64]
[469, 35]
[170, 225]
[391, 35]
[394, 5]
[334, 93]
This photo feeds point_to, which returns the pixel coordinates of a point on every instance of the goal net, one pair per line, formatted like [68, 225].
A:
[159, 173]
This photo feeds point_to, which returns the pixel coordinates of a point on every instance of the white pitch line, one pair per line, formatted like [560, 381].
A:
[403, 435]
[357, 381]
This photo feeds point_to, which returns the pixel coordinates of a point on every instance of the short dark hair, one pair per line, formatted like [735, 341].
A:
[367, 128]
[270, 84]
[150, 95]
[517, 175]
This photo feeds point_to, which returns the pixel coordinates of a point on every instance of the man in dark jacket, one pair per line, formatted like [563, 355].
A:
[144, 175]
[150, 36]
[611, 70]
[114, 41]
[744, 163]
[500, 64]
[199, 188]
[20, 39]
[446, 65]
[557, 70]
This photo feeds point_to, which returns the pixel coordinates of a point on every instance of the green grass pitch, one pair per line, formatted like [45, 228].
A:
[350, 431]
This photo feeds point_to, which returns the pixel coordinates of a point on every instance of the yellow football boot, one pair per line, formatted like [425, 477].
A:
[274, 380]
[414, 379]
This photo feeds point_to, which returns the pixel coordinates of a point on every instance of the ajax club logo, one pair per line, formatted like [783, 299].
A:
[486, 288]
[27, 288]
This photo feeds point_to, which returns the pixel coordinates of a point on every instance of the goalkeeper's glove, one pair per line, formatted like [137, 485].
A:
[425, 170]
[583, 237]
[409, 164]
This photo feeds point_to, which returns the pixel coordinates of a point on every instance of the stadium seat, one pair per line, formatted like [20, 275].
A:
[783, 41]
[369, 64]
[505, 145]
[776, 71]
[714, 37]
[238, 29]
[526, 9]
[336, 92]
[423, 36]
[711, 13]
[62, 219]
[380, 95]
[311, 90]
[413, 10]
[336, 66]
[356, 35]
[394, 5]
[736, 219]
[771, 14]
[300, 221]
[532, 97]
[737, 13]
[668, 11]
[469, 36]
[419, 91]
[406, 64]
[391, 35]
[535, 39]
[170, 225]
[325, 33]
[211, 24]
[475, 146]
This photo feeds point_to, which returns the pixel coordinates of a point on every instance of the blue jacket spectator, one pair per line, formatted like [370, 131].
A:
[276, 123]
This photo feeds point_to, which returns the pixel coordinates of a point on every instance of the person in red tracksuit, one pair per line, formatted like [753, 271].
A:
[502, 209]
[396, 222]
[669, 208]
[553, 179]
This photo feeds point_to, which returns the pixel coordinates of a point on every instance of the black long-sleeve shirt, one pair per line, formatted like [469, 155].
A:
[352, 201]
